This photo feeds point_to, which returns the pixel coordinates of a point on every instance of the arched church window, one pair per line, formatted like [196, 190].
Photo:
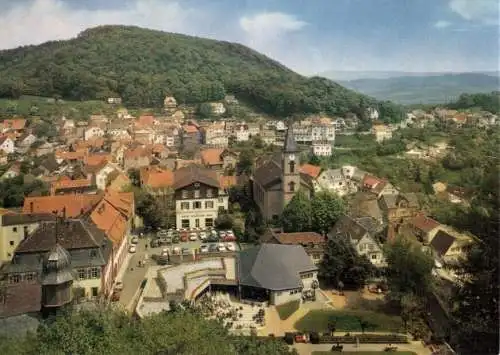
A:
[292, 167]
[291, 186]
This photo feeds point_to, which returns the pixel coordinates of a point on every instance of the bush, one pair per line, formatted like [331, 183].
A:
[287, 309]
[314, 338]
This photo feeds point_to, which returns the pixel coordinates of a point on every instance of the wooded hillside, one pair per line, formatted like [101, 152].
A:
[142, 66]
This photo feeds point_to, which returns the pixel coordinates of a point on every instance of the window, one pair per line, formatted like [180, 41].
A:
[197, 223]
[29, 276]
[185, 223]
[292, 167]
[209, 222]
[374, 256]
[184, 205]
[291, 186]
[25, 230]
[209, 204]
[93, 253]
[196, 193]
[221, 199]
[14, 229]
[95, 291]
[184, 194]
[315, 256]
[11, 242]
[209, 193]
[95, 273]
[293, 292]
[14, 278]
[371, 246]
[82, 274]
[196, 205]
[307, 276]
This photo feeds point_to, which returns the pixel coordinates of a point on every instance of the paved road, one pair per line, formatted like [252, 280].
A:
[307, 349]
[133, 276]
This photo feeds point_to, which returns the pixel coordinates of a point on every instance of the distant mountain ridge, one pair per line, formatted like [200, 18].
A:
[348, 75]
[413, 88]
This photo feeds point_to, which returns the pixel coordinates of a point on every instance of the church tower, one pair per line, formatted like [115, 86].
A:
[290, 166]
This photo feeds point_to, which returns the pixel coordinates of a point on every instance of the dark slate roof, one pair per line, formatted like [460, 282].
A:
[191, 174]
[267, 174]
[73, 234]
[273, 266]
[369, 223]
[12, 219]
[290, 143]
[441, 242]
[348, 227]
[50, 163]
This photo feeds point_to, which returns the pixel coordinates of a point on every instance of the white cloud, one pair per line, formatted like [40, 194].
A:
[270, 24]
[483, 11]
[42, 20]
[442, 24]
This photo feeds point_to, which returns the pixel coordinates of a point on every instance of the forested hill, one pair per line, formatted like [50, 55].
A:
[142, 66]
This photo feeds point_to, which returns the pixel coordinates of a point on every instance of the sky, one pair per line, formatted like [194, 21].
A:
[309, 36]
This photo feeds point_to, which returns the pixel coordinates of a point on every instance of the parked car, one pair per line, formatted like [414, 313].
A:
[212, 238]
[186, 251]
[221, 247]
[204, 248]
[230, 247]
[170, 233]
[202, 235]
[164, 252]
[300, 338]
[176, 239]
[229, 232]
[222, 234]
[132, 249]
[155, 243]
[229, 238]
[212, 248]
[162, 233]
[176, 250]
[184, 237]
[134, 240]
[193, 236]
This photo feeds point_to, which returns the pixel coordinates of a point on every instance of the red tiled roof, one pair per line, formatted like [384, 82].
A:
[146, 120]
[75, 205]
[190, 129]
[112, 213]
[300, 238]
[211, 156]
[311, 170]
[371, 181]
[78, 155]
[136, 153]
[71, 184]
[97, 159]
[18, 123]
[155, 177]
[424, 223]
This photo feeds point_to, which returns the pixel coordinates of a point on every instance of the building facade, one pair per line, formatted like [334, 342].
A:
[199, 197]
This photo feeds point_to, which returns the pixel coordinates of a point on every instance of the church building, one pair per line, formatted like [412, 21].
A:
[276, 181]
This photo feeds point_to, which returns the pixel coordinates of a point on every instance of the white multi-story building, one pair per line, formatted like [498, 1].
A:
[199, 197]
[306, 132]
[321, 149]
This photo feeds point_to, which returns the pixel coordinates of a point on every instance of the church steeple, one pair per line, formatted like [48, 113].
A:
[290, 143]
[290, 165]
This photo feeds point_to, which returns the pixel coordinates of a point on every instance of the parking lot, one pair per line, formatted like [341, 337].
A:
[168, 242]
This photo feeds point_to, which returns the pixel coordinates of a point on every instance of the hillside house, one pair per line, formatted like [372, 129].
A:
[7, 145]
[381, 132]
[219, 159]
[360, 232]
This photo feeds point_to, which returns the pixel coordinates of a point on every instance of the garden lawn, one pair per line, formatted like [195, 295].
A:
[287, 309]
[347, 321]
[363, 353]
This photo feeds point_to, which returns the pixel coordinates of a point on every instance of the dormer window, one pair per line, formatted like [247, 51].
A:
[184, 194]
[196, 193]
[209, 193]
